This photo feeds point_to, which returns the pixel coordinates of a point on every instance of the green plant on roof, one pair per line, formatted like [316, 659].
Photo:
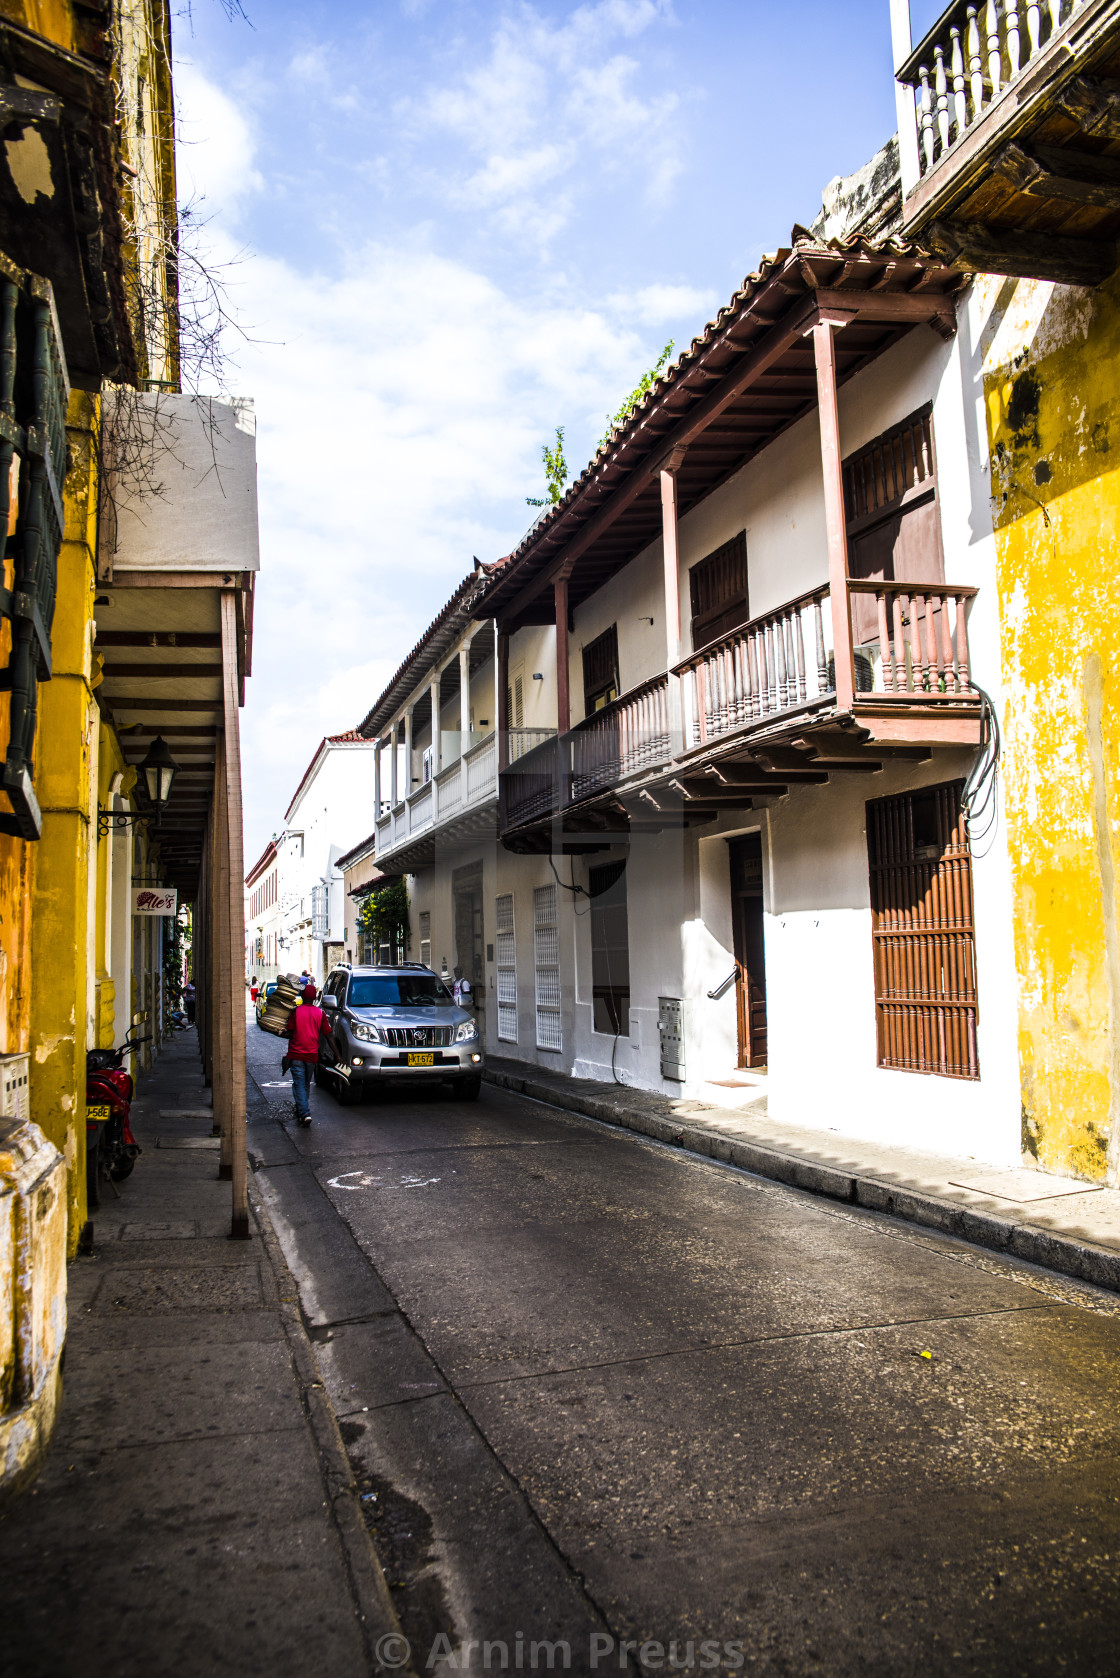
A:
[555, 471]
[642, 388]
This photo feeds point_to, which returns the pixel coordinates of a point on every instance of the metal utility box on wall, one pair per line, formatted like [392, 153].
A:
[670, 1024]
[14, 1092]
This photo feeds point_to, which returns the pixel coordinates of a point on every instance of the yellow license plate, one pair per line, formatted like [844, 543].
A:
[421, 1060]
[98, 1114]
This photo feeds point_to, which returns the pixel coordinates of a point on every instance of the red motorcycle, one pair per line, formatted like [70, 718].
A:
[111, 1148]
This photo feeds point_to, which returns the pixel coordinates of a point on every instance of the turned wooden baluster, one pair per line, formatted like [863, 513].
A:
[947, 670]
[964, 681]
[778, 641]
[885, 642]
[995, 57]
[900, 645]
[929, 661]
[1011, 16]
[925, 118]
[960, 104]
[755, 681]
[822, 657]
[702, 705]
[941, 83]
[1034, 26]
[798, 632]
[975, 63]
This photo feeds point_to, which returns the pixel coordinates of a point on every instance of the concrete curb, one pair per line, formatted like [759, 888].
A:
[371, 1593]
[1061, 1253]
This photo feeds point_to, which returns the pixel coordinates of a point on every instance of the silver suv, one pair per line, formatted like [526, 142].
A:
[397, 1025]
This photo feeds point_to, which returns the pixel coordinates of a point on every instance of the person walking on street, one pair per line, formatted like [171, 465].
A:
[189, 1000]
[304, 1029]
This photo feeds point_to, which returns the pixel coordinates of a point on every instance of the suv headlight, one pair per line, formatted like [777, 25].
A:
[368, 1033]
[464, 1032]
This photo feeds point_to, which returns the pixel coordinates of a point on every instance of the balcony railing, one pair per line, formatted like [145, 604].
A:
[626, 736]
[467, 782]
[769, 665]
[780, 664]
[923, 640]
[971, 56]
[522, 740]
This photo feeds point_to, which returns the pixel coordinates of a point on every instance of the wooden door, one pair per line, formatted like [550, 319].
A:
[750, 956]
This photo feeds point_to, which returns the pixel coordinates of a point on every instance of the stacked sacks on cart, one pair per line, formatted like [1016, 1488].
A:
[278, 1010]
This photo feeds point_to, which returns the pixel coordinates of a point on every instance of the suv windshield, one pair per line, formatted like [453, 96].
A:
[389, 990]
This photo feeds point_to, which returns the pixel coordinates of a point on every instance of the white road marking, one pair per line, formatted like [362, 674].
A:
[367, 1182]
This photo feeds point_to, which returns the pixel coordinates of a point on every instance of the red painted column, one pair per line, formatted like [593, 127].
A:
[824, 351]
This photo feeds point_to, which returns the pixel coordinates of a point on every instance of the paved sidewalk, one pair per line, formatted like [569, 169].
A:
[196, 1513]
[1066, 1225]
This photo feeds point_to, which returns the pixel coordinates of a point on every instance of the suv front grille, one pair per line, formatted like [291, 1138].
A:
[417, 1036]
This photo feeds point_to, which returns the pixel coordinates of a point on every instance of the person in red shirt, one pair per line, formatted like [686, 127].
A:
[304, 1030]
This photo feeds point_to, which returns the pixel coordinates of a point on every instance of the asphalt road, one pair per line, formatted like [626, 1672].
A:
[602, 1392]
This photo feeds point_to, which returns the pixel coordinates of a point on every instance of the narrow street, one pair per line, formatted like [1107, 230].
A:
[599, 1390]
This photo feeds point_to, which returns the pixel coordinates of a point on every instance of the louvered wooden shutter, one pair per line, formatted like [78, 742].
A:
[923, 933]
[717, 589]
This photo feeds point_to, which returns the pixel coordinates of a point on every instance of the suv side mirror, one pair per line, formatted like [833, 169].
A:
[328, 1002]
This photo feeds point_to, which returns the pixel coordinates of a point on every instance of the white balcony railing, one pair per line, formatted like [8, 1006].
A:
[974, 53]
[469, 781]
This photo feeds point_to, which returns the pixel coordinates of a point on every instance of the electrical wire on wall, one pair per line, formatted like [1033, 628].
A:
[980, 798]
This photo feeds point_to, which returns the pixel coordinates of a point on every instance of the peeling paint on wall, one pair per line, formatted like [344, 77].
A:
[1052, 393]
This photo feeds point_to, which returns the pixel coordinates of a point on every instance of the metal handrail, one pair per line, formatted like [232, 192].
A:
[721, 990]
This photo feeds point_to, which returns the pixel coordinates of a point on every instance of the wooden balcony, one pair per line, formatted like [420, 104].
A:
[460, 798]
[1008, 115]
[752, 713]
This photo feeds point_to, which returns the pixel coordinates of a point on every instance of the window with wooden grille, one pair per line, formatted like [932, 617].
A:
[506, 952]
[546, 966]
[600, 671]
[923, 933]
[610, 949]
[893, 515]
[717, 589]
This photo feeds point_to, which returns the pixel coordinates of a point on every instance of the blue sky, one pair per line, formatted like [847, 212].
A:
[457, 226]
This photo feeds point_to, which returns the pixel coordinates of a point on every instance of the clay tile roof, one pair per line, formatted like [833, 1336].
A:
[785, 280]
[443, 631]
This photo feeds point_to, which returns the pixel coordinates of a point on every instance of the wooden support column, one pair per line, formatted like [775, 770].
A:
[393, 767]
[563, 698]
[501, 696]
[465, 698]
[824, 351]
[671, 555]
[235, 915]
[408, 752]
[376, 781]
[433, 700]
[219, 967]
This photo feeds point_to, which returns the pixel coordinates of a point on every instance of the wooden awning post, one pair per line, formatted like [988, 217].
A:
[394, 767]
[671, 555]
[219, 966]
[234, 918]
[501, 696]
[433, 699]
[464, 699]
[563, 698]
[377, 780]
[407, 793]
[824, 352]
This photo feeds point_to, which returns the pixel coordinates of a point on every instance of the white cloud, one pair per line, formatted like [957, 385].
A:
[215, 159]
[547, 112]
[652, 305]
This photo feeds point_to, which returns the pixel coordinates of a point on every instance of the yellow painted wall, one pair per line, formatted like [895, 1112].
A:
[67, 792]
[1052, 388]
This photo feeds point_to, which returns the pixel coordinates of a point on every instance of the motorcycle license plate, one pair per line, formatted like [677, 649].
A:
[98, 1114]
[421, 1060]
